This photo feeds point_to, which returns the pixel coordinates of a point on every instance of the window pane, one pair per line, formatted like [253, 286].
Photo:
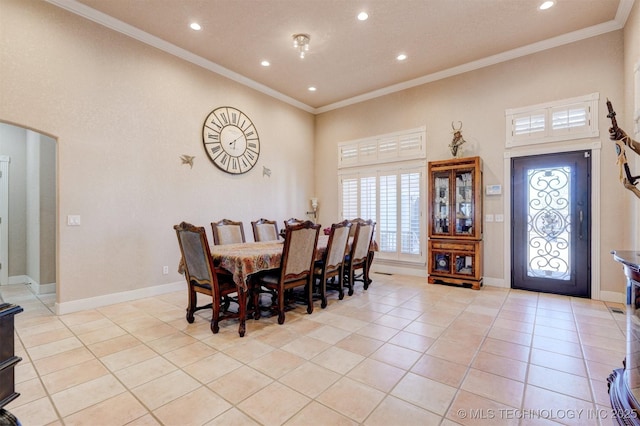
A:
[528, 124]
[410, 213]
[349, 198]
[569, 118]
[368, 198]
[388, 224]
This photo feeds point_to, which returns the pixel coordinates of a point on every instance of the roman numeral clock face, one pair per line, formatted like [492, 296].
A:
[231, 140]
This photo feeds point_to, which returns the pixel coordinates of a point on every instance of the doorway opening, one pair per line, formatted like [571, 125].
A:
[28, 217]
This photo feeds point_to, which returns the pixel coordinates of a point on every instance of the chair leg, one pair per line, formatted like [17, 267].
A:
[309, 290]
[191, 307]
[351, 283]
[255, 295]
[323, 291]
[242, 311]
[281, 305]
[365, 275]
[215, 316]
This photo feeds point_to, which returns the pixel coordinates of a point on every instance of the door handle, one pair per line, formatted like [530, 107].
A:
[581, 219]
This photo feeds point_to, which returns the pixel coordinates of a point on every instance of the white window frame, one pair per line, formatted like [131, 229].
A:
[541, 117]
[398, 146]
[397, 169]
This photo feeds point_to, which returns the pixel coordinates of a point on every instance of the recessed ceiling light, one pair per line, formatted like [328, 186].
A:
[363, 16]
[401, 57]
[547, 4]
[265, 63]
[312, 89]
[195, 26]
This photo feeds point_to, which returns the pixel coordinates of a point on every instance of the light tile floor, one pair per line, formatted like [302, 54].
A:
[401, 353]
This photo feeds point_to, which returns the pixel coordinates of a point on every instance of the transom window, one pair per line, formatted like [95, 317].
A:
[566, 119]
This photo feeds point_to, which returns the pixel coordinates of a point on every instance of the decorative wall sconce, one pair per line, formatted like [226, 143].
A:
[314, 206]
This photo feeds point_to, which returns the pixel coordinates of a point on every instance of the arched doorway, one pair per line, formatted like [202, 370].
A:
[29, 209]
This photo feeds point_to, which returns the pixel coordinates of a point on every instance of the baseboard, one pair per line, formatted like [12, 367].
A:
[495, 282]
[110, 299]
[613, 296]
[19, 279]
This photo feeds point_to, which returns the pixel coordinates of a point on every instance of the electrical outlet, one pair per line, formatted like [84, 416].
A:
[165, 270]
[488, 218]
[73, 220]
[499, 218]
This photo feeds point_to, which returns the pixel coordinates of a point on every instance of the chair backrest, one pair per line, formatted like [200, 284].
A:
[298, 253]
[362, 240]
[196, 255]
[293, 221]
[227, 231]
[354, 225]
[264, 230]
[337, 244]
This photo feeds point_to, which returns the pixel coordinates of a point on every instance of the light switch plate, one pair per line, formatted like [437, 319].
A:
[499, 218]
[488, 218]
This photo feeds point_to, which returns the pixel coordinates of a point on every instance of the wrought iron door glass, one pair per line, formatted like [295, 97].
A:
[549, 220]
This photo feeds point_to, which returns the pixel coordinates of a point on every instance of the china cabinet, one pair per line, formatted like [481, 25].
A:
[455, 222]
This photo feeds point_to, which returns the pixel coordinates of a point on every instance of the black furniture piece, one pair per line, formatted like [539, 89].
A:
[8, 360]
[624, 383]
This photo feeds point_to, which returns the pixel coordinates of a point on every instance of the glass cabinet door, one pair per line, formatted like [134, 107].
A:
[464, 264]
[464, 203]
[441, 202]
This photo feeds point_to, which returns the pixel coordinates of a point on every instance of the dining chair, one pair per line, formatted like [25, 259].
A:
[354, 223]
[265, 230]
[227, 231]
[293, 221]
[296, 268]
[204, 278]
[332, 263]
[358, 257]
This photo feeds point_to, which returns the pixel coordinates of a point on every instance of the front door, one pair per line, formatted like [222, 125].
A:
[550, 212]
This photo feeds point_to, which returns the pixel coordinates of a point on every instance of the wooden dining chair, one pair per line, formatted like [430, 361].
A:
[265, 230]
[293, 221]
[204, 278]
[227, 231]
[358, 257]
[296, 268]
[354, 223]
[332, 263]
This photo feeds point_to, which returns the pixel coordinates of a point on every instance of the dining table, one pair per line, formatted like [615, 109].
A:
[243, 260]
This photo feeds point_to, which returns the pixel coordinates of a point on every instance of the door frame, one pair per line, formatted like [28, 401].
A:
[4, 224]
[595, 147]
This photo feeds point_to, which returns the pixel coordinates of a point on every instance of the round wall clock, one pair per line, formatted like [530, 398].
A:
[231, 140]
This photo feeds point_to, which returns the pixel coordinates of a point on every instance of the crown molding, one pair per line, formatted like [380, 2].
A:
[135, 33]
[622, 14]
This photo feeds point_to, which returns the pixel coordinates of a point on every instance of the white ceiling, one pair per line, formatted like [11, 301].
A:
[349, 60]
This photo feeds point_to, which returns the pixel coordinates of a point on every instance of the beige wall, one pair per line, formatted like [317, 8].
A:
[479, 99]
[123, 113]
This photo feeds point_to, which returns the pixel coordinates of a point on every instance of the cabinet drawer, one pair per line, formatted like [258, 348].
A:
[453, 245]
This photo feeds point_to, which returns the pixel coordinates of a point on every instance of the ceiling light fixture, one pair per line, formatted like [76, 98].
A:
[301, 42]
[195, 26]
[363, 16]
[265, 63]
[312, 89]
[546, 5]
[401, 57]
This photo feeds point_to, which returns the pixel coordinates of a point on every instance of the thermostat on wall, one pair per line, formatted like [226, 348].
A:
[493, 189]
